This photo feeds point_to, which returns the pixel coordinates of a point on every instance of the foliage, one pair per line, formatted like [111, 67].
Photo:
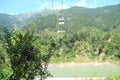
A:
[113, 78]
[27, 59]
[92, 34]
[5, 69]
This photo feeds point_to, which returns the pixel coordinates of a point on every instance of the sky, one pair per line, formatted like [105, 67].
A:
[21, 6]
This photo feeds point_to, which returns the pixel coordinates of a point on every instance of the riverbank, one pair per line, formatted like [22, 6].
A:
[84, 70]
[82, 64]
[78, 78]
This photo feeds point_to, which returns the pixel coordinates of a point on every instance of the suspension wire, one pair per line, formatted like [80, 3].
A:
[43, 4]
[52, 5]
[62, 8]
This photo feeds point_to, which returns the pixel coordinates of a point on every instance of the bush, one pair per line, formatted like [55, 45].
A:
[117, 77]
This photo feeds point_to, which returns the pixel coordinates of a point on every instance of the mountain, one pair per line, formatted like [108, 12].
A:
[88, 33]
[22, 18]
[76, 18]
[7, 20]
[15, 20]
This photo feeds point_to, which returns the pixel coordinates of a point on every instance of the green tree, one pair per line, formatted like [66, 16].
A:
[26, 58]
[5, 69]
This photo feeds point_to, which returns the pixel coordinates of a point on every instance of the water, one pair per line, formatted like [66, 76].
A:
[84, 71]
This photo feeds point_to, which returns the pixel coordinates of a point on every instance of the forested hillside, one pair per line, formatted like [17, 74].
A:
[22, 18]
[89, 33]
[8, 20]
[105, 18]
[14, 20]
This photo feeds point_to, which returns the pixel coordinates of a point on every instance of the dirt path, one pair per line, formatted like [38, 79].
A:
[82, 64]
[80, 78]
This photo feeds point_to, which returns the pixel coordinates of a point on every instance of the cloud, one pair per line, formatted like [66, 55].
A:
[95, 2]
[94, 5]
[12, 13]
[59, 6]
[84, 3]
[81, 3]
[44, 5]
[48, 5]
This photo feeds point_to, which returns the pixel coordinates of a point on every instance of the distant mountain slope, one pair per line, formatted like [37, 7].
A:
[76, 18]
[8, 20]
[22, 18]
[105, 18]
[15, 20]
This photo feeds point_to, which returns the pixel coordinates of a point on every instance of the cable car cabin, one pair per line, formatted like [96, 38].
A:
[61, 21]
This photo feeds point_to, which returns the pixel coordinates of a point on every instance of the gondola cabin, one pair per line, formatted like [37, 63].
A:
[61, 21]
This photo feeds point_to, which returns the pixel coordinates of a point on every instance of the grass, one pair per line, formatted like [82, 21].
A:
[82, 59]
[116, 77]
[60, 60]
